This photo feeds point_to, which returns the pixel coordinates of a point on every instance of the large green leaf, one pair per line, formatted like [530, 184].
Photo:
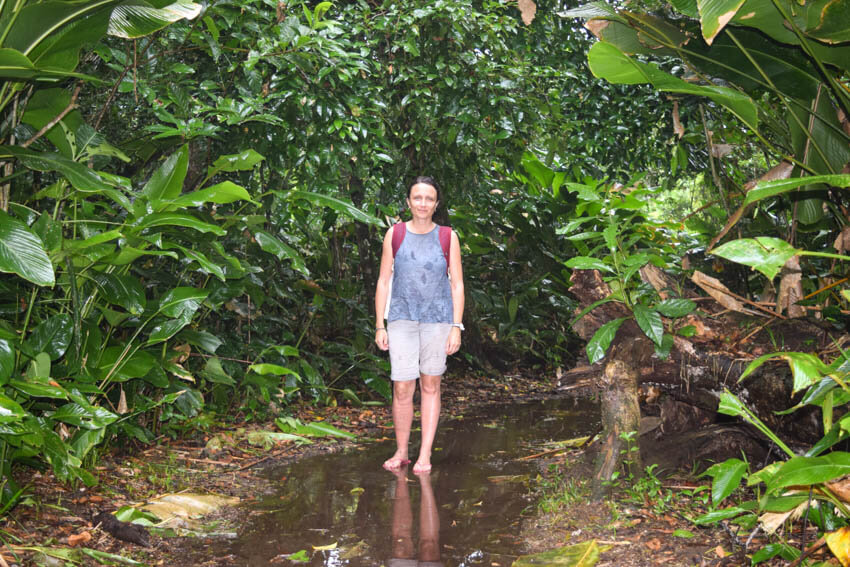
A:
[7, 360]
[221, 193]
[601, 339]
[588, 263]
[767, 255]
[675, 307]
[243, 161]
[53, 335]
[17, 66]
[205, 263]
[87, 417]
[81, 177]
[165, 330]
[344, 207]
[767, 189]
[166, 183]
[22, 253]
[178, 219]
[726, 477]
[123, 290]
[10, 410]
[807, 471]
[273, 245]
[135, 365]
[135, 19]
[806, 368]
[182, 302]
[649, 322]
[608, 62]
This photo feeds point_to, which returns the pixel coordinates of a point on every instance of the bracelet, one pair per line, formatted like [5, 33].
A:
[381, 329]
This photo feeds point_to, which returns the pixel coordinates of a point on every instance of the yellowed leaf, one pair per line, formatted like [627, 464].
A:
[328, 547]
[122, 403]
[839, 544]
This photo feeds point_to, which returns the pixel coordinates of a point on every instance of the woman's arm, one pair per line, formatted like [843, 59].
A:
[382, 291]
[456, 273]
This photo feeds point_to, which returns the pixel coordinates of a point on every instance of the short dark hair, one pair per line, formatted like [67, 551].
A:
[427, 180]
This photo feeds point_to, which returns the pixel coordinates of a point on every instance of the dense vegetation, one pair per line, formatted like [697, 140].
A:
[193, 197]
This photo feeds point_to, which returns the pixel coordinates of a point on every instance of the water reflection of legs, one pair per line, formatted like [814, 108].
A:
[402, 526]
[429, 524]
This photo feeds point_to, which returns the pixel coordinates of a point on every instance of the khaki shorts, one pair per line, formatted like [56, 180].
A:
[417, 348]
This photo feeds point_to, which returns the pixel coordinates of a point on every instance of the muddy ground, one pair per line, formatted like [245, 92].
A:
[645, 526]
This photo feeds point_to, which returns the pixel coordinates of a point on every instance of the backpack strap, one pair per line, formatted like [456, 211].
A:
[446, 242]
[399, 230]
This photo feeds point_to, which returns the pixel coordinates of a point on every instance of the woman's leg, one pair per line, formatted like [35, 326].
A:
[429, 387]
[402, 421]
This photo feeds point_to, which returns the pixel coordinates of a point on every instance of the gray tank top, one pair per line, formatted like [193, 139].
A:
[421, 289]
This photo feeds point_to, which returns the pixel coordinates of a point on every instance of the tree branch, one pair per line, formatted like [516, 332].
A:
[71, 106]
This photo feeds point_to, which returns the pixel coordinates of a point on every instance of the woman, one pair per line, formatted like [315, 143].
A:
[424, 320]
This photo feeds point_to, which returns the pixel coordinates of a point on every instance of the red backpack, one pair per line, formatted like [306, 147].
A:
[400, 229]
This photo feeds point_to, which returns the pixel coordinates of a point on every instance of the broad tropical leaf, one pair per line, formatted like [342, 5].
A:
[767, 255]
[649, 322]
[345, 207]
[22, 252]
[601, 340]
[135, 19]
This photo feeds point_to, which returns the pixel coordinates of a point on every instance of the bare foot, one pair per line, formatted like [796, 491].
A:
[421, 468]
[396, 462]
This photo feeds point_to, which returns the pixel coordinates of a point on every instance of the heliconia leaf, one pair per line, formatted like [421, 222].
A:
[714, 15]
[7, 361]
[81, 177]
[765, 254]
[608, 62]
[39, 390]
[601, 339]
[123, 290]
[182, 302]
[767, 189]
[808, 471]
[178, 219]
[587, 263]
[221, 193]
[94, 240]
[677, 307]
[243, 161]
[273, 245]
[10, 410]
[649, 322]
[167, 181]
[22, 252]
[807, 369]
[132, 20]
[267, 368]
[52, 336]
[726, 477]
[339, 205]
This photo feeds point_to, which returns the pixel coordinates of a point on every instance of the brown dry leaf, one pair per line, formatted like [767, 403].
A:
[841, 488]
[842, 243]
[654, 544]
[720, 552]
[79, 539]
[718, 291]
[596, 26]
[122, 403]
[655, 276]
[528, 9]
[185, 350]
[791, 289]
[721, 150]
[839, 544]
[782, 170]
[678, 129]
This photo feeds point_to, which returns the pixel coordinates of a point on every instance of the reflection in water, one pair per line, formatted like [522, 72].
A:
[344, 510]
[403, 554]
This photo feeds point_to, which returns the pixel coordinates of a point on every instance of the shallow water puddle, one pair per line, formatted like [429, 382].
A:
[344, 509]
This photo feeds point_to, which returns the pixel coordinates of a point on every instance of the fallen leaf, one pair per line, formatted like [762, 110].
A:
[654, 544]
[580, 555]
[720, 552]
[328, 547]
[839, 544]
[79, 539]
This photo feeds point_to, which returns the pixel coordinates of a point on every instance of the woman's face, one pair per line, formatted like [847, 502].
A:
[422, 201]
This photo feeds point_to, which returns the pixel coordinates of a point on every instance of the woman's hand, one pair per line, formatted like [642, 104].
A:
[381, 339]
[453, 344]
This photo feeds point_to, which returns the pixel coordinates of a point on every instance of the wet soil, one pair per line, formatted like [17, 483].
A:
[490, 499]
